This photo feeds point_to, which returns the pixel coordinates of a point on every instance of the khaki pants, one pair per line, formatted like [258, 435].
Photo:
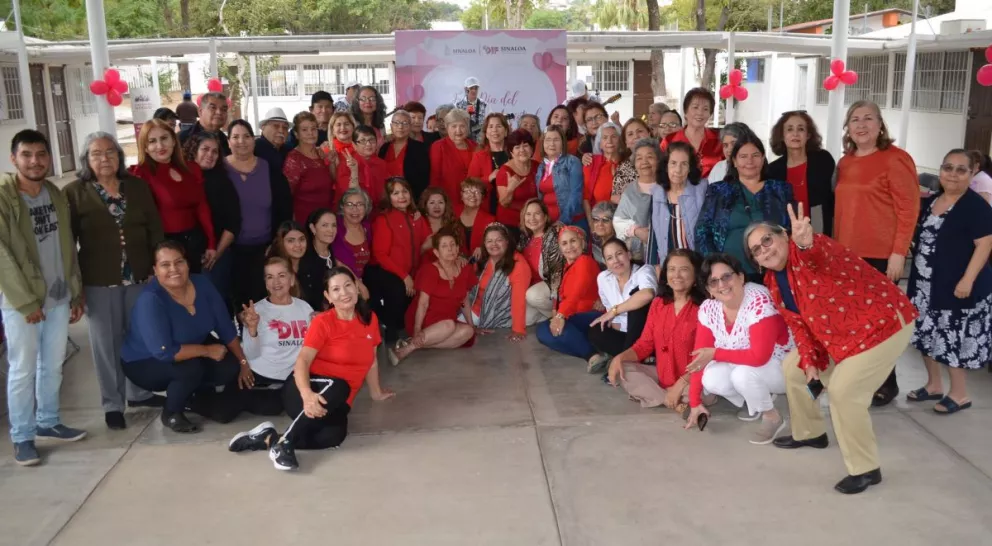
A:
[540, 306]
[641, 384]
[851, 385]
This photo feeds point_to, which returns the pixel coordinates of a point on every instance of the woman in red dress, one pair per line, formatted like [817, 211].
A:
[492, 154]
[307, 170]
[452, 155]
[471, 218]
[515, 181]
[179, 195]
[442, 293]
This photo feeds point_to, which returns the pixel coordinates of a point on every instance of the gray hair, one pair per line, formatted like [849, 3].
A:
[85, 172]
[443, 110]
[648, 143]
[597, 144]
[531, 116]
[213, 95]
[605, 207]
[736, 130]
[659, 108]
[456, 115]
[401, 112]
[774, 228]
[350, 192]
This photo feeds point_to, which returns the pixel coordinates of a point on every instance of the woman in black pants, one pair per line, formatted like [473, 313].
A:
[338, 355]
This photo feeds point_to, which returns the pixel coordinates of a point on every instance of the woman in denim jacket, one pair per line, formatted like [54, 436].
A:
[560, 181]
[677, 200]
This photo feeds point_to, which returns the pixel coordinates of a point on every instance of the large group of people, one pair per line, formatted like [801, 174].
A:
[237, 272]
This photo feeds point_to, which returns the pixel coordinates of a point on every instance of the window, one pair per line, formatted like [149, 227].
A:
[11, 105]
[754, 70]
[802, 84]
[374, 74]
[822, 71]
[873, 75]
[322, 77]
[610, 76]
[281, 81]
[940, 82]
[81, 101]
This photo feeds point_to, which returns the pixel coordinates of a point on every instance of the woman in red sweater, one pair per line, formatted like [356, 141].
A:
[669, 334]
[372, 170]
[308, 170]
[850, 324]
[452, 155]
[177, 187]
[471, 218]
[515, 181]
[877, 186]
[578, 295]
[491, 155]
[398, 234]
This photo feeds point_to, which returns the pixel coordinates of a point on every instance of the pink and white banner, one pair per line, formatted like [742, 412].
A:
[519, 71]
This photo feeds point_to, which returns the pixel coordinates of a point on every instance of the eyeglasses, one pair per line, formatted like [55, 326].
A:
[672, 125]
[959, 169]
[765, 242]
[471, 191]
[401, 124]
[722, 279]
[597, 117]
[365, 141]
[366, 99]
[354, 205]
[109, 154]
[601, 220]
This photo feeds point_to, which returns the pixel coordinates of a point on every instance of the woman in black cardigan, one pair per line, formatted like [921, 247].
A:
[406, 157]
[804, 164]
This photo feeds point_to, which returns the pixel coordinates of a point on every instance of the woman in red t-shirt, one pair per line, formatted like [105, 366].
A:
[515, 182]
[337, 357]
[442, 293]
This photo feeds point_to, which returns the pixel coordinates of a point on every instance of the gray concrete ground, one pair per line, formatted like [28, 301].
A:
[502, 444]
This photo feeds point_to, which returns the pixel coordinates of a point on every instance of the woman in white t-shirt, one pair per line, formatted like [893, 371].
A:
[273, 335]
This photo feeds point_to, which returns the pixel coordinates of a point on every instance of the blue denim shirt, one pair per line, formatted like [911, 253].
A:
[690, 203]
[566, 175]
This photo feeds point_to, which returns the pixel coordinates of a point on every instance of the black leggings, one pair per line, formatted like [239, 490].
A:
[388, 298]
[614, 342]
[327, 431]
[247, 274]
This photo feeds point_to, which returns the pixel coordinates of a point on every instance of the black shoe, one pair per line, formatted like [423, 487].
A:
[256, 439]
[855, 484]
[284, 456]
[156, 401]
[115, 420]
[788, 442]
[177, 422]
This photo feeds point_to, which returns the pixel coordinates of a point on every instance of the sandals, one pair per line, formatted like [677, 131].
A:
[394, 359]
[923, 395]
[950, 406]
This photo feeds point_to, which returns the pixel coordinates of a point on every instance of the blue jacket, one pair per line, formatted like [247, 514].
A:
[714, 218]
[568, 182]
[690, 203]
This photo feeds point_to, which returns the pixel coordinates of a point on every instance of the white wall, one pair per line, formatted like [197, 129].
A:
[7, 131]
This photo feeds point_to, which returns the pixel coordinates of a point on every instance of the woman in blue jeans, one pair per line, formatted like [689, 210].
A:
[170, 346]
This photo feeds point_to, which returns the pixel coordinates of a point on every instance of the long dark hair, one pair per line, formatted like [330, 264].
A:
[362, 307]
[747, 138]
[570, 132]
[507, 262]
[696, 293]
[695, 173]
[312, 220]
[278, 247]
[378, 117]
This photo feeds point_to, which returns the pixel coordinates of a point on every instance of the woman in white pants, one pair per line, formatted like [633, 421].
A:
[740, 344]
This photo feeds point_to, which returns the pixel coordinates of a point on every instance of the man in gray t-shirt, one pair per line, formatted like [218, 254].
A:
[46, 233]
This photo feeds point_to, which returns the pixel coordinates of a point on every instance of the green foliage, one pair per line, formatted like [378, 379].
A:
[576, 17]
[474, 17]
[629, 14]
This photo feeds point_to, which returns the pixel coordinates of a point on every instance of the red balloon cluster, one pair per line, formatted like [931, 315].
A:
[734, 88]
[985, 72]
[112, 86]
[214, 85]
[839, 75]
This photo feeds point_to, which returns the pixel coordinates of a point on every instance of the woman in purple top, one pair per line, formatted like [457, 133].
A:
[353, 244]
[250, 177]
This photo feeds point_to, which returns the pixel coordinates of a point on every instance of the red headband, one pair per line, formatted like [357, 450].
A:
[576, 230]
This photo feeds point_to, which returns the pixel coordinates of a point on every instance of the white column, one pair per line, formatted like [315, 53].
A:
[252, 67]
[683, 54]
[213, 57]
[155, 82]
[731, 107]
[24, 71]
[907, 84]
[46, 79]
[770, 85]
[835, 104]
[97, 25]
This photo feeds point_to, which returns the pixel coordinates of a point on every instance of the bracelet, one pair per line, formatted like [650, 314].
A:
[560, 316]
[801, 247]
[244, 361]
[615, 310]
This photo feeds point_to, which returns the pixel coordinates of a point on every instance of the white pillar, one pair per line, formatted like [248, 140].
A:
[155, 82]
[731, 107]
[213, 57]
[907, 84]
[252, 67]
[838, 50]
[24, 71]
[100, 56]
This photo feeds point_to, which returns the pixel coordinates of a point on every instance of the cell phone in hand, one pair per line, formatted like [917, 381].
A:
[815, 388]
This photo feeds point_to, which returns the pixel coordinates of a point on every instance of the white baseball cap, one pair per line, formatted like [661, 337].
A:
[471, 82]
[579, 88]
[275, 114]
[352, 83]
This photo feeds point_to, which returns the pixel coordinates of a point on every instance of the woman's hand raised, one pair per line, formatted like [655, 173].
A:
[802, 229]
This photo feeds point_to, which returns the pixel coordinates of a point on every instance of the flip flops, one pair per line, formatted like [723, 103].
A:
[923, 395]
[950, 406]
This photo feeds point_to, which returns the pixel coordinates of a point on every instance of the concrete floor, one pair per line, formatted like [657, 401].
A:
[502, 444]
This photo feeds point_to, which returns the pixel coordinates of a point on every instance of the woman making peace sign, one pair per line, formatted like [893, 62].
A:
[850, 323]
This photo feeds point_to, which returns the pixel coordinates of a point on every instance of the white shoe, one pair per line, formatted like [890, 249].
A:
[768, 431]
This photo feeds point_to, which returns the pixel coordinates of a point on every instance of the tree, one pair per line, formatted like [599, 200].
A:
[576, 17]
[630, 15]
[501, 13]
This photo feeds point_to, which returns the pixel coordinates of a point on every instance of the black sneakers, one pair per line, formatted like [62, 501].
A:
[283, 455]
[257, 439]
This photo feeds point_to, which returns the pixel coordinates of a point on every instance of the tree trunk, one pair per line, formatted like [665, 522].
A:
[710, 54]
[657, 55]
[184, 21]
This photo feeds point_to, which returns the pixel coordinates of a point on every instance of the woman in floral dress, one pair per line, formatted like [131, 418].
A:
[951, 285]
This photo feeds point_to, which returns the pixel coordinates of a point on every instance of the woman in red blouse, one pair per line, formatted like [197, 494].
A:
[698, 106]
[405, 154]
[452, 155]
[177, 187]
[472, 219]
[307, 170]
[442, 294]
[437, 210]
[602, 168]
[399, 234]
[491, 155]
[669, 335]
[576, 301]
[850, 324]
[805, 164]
[515, 181]
[373, 171]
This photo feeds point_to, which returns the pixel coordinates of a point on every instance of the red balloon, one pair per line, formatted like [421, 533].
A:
[99, 87]
[988, 54]
[111, 76]
[726, 92]
[114, 98]
[985, 75]
[120, 86]
[740, 93]
[214, 85]
[735, 77]
[831, 83]
[837, 67]
[849, 77]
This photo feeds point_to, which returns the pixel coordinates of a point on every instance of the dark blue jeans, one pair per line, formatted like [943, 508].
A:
[574, 338]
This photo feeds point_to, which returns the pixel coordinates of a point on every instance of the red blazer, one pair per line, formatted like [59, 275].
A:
[710, 150]
[448, 167]
[592, 192]
[482, 219]
[579, 290]
[845, 306]
[396, 241]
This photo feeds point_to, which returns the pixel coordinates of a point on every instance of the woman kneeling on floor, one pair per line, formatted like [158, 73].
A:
[740, 344]
[170, 346]
[625, 290]
[338, 355]
[568, 330]
[669, 334]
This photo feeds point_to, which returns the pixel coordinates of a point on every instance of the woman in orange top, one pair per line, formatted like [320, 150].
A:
[337, 357]
[578, 295]
[698, 107]
[397, 237]
[491, 155]
[561, 117]
[516, 181]
[452, 155]
[504, 276]
[877, 202]
[471, 218]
